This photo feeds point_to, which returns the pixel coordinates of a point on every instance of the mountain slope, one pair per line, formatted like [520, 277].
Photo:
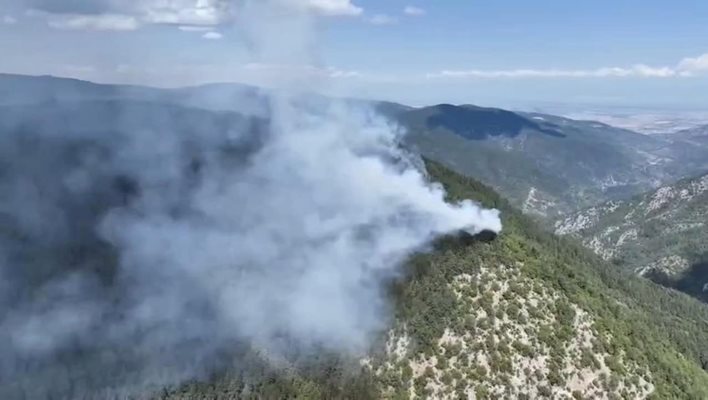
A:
[470, 310]
[25, 90]
[526, 315]
[545, 164]
[696, 136]
[662, 234]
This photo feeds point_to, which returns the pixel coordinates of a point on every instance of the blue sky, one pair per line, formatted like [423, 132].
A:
[650, 53]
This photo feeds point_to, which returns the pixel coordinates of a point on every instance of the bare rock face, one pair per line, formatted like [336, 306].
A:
[507, 348]
[660, 235]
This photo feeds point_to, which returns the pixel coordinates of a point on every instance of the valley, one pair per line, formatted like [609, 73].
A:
[661, 235]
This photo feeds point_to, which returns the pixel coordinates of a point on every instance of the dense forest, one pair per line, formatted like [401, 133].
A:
[647, 332]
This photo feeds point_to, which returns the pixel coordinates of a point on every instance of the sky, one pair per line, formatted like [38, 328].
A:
[513, 53]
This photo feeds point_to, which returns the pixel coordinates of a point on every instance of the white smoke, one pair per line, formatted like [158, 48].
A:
[290, 242]
[298, 242]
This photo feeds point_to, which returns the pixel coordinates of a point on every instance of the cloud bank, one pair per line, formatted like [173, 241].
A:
[121, 15]
[687, 67]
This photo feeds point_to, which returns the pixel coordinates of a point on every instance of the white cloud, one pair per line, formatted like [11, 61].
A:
[335, 7]
[414, 11]
[382, 19]
[9, 20]
[339, 73]
[685, 68]
[79, 69]
[258, 74]
[213, 35]
[691, 65]
[187, 12]
[640, 70]
[129, 69]
[192, 28]
[132, 14]
[301, 70]
[103, 22]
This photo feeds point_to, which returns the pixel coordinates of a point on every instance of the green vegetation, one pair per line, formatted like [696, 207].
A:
[650, 340]
[543, 164]
[658, 329]
[661, 234]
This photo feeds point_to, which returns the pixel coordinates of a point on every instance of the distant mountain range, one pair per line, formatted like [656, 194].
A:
[524, 316]
[662, 235]
[549, 165]
[546, 165]
[521, 315]
[22, 89]
[695, 136]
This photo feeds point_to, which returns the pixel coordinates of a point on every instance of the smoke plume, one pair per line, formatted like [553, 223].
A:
[144, 239]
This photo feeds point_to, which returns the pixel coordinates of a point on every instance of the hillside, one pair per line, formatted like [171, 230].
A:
[526, 315]
[545, 165]
[661, 234]
[697, 136]
[466, 314]
[27, 90]
[548, 165]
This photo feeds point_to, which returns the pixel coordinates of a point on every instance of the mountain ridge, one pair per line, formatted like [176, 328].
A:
[660, 234]
[546, 165]
[551, 165]
[462, 316]
[469, 313]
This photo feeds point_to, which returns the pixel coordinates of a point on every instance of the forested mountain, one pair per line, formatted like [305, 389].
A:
[661, 235]
[545, 165]
[697, 136]
[548, 165]
[25, 90]
[525, 315]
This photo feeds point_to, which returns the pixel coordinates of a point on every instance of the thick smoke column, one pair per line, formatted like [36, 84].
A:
[167, 237]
